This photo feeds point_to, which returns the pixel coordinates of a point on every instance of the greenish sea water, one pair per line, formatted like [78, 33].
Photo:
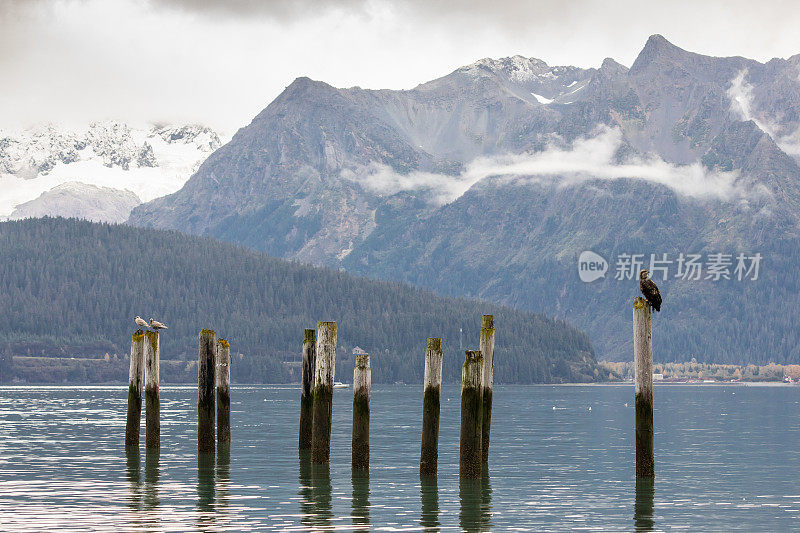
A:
[562, 458]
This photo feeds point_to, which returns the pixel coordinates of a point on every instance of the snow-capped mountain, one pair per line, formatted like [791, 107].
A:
[532, 79]
[148, 162]
[79, 200]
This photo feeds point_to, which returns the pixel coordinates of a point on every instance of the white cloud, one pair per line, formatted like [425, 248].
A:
[220, 62]
[591, 158]
[741, 95]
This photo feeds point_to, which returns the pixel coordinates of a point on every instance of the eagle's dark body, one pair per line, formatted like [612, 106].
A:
[650, 290]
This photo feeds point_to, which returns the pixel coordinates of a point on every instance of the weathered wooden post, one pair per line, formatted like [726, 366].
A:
[362, 387]
[487, 350]
[429, 456]
[152, 403]
[205, 391]
[223, 393]
[471, 415]
[643, 365]
[309, 352]
[323, 393]
[135, 386]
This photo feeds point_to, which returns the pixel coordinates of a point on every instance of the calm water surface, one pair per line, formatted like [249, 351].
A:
[562, 459]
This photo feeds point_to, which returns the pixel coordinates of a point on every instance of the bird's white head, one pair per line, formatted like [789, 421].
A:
[644, 274]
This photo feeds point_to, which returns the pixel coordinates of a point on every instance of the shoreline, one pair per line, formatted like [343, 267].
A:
[292, 386]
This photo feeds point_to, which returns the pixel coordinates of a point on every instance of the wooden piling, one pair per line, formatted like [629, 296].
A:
[223, 393]
[429, 455]
[323, 393]
[152, 402]
[309, 352]
[471, 453]
[487, 350]
[643, 364]
[135, 387]
[362, 386]
[205, 391]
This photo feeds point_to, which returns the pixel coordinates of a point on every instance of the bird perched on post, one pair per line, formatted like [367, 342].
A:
[650, 290]
[157, 325]
[140, 322]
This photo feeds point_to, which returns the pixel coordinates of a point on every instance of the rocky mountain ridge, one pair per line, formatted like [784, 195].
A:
[492, 180]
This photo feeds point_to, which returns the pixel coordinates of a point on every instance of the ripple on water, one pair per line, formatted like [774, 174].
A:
[721, 459]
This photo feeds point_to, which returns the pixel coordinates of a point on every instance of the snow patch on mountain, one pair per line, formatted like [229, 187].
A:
[150, 162]
[541, 99]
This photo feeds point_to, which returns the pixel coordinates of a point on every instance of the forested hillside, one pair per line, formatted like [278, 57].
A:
[71, 289]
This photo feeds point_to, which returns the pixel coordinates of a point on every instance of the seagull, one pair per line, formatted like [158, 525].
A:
[140, 322]
[157, 325]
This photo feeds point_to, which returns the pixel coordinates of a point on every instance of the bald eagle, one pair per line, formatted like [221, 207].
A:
[650, 290]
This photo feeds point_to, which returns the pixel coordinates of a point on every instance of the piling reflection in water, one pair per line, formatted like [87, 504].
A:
[152, 467]
[133, 474]
[205, 482]
[643, 506]
[360, 512]
[223, 481]
[476, 503]
[306, 505]
[429, 492]
[315, 492]
[206, 490]
[321, 494]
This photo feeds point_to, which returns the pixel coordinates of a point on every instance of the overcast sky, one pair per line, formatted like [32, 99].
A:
[220, 62]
